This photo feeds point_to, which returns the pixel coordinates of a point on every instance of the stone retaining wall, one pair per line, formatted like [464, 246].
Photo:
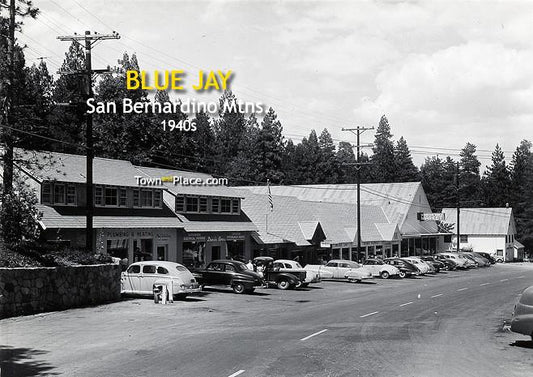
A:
[41, 289]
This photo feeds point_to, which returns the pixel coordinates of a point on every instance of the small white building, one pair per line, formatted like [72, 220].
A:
[490, 230]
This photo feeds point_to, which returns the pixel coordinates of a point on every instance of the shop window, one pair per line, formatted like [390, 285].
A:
[157, 199]
[193, 254]
[464, 238]
[59, 194]
[235, 206]
[118, 248]
[215, 205]
[180, 204]
[499, 252]
[147, 199]
[98, 195]
[111, 194]
[225, 205]
[46, 197]
[448, 239]
[203, 205]
[192, 204]
[136, 198]
[71, 194]
[123, 197]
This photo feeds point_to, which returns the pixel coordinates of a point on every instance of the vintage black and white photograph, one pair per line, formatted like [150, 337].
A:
[269, 188]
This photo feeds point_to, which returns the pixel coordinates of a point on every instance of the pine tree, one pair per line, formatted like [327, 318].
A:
[345, 160]
[470, 180]
[383, 166]
[520, 193]
[327, 168]
[497, 181]
[406, 171]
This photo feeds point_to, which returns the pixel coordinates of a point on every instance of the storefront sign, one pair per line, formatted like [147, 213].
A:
[205, 237]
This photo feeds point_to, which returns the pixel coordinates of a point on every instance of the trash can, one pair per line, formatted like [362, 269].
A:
[157, 293]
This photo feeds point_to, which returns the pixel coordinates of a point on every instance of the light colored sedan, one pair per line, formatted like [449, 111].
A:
[522, 321]
[141, 277]
[379, 268]
[286, 265]
[422, 266]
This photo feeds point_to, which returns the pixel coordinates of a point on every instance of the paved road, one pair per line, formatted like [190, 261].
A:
[444, 325]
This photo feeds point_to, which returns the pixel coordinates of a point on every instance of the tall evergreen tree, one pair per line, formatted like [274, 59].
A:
[406, 171]
[470, 180]
[520, 193]
[327, 168]
[269, 149]
[383, 166]
[497, 181]
[438, 180]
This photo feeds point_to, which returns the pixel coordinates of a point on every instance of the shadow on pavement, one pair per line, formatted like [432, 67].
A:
[522, 344]
[20, 362]
[230, 291]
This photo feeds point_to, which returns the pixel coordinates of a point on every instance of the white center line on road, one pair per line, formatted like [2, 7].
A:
[407, 303]
[368, 315]
[236, 373]
[462, 289]
[521, 277]
[315, 334]
[504, 279]
[484, 284]
[440, 294]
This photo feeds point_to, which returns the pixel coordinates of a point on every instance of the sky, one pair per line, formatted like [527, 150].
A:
[443, 72]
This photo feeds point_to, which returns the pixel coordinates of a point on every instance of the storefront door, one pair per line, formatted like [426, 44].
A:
[162, 252]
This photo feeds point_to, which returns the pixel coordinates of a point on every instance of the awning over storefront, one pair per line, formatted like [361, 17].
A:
[54, 220]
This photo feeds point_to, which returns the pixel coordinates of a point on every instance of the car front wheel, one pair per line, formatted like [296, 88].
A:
[384, 275]
[284, 284]
[238, 288]
[401, 274]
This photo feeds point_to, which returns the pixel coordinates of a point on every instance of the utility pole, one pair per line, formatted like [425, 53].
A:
[458, 211]
[90, 39]
[358, 131]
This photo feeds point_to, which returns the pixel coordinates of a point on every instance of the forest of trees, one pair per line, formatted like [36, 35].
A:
[49, 115]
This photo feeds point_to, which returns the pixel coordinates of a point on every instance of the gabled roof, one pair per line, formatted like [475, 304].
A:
[50, 166]
[481, 221]
[398, 201]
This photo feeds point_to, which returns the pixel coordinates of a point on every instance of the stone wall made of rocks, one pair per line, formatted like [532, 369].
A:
[41, 289]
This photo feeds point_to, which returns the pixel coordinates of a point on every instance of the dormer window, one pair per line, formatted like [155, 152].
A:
[46, 196]
[202, 204]
[59, 193]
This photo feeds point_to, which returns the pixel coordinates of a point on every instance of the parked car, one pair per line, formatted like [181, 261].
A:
[479, 260]
[229, 273]
[432, 269]
[274, 276]
[405, 268]
[487, 256]
[450, 263]
[286, 265]
[522, 320]
[141, 277]
[461, 261]
[320, 270]
[338, 268]
[422, 266]
[437, 264]
[378, 268]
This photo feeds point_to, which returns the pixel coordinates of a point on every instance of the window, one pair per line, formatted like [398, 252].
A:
[215, 267]
[59, 194]
[499, 252]
[71, 194]
[136, 198]
[203, 205]
[229, 267]
[135, 269]
[46, 197]
[215, 205]
[287, 265]
[448, 239]
[235, 206]
[225, 205]
[180, 204]
[464, 238]
[123, 197]
[162, 270]
[147, 199]
[192, 204]
[149, 269]
[332, 264]
[98, 196]
[111, 194]
[157, 199]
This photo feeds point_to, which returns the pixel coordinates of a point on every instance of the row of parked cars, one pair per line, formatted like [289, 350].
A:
[149, 277]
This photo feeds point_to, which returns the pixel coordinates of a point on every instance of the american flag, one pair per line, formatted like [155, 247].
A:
[270, 201]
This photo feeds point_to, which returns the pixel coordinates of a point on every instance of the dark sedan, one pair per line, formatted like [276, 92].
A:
[437, 264]
[229, 273]
[406, 268]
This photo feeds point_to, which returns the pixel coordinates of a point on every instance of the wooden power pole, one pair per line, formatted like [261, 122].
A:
[89, 40]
